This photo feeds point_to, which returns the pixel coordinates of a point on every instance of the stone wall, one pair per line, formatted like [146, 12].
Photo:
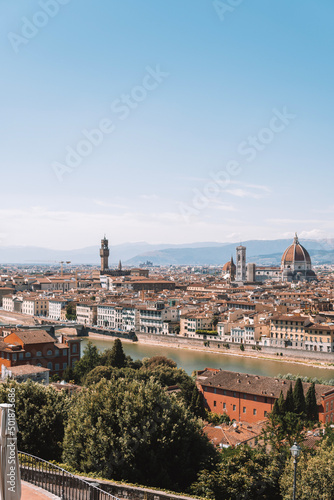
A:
[184, 342]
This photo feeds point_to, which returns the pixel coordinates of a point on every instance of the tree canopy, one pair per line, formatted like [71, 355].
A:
[315, 475]
[41, 414]
[134, 431]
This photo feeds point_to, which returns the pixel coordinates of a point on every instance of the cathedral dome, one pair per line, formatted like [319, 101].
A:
[229, 266]
[295, 254]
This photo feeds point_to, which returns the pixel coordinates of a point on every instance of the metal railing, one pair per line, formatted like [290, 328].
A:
[58, 481]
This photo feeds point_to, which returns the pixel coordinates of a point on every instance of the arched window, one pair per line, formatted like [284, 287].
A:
[49, 352]
[49, 365]
[28, 354]
[39, 353]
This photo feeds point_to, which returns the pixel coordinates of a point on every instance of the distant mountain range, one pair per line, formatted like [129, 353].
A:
[262, 252]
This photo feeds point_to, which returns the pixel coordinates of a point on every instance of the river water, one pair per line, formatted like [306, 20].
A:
[191, 360]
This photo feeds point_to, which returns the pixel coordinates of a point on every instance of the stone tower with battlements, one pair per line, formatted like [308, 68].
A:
[104, 254]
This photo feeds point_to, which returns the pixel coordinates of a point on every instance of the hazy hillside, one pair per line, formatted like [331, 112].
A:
[265, 252]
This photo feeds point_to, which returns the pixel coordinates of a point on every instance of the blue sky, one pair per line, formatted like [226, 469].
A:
[188, 92]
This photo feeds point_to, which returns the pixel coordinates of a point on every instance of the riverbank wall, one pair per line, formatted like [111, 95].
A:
[234, 348]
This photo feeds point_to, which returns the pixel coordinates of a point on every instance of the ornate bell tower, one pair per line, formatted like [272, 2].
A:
[241, 263]
[104, 254]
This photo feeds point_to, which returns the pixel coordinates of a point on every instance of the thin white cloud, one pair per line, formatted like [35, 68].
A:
[149, 197]
[107, 204]
[243, 193]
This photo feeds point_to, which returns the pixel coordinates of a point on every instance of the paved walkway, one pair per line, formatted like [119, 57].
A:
[31, 492]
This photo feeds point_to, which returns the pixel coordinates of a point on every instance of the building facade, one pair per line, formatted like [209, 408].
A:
[251, 398]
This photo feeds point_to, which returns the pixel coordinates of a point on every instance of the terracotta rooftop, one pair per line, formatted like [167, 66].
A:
[254, 384]
[31, 337]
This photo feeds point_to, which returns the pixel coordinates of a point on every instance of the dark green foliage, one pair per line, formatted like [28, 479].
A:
[68, 374]
[275, 411]
[217, 418]
[243, 474]
[98, 373]
[134, 431]
[197, 403]
[315, 475]
[158, 361]
[284, 430]
[299, 398]
[41, 413]
[242, 347]
[311, 407]
[90, 359]
[329, 436]
[135, 364]
[115, 357]
[279, 405]
[289, 401]
[71, 314]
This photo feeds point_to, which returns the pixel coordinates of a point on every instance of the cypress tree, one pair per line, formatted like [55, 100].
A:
[311, 406]
[298, 397]
[117, 357]
[281, 404]
[275, 411]
[289, 402]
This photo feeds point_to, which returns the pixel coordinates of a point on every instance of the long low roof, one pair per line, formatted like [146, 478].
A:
[31, 337]
[255, 384]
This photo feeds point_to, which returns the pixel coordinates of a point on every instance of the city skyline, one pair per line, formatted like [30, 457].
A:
[165, 122]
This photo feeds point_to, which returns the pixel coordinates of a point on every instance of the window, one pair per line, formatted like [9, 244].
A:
[266, 399]
[224, 406]
[14, 357]
[57, 366]
[326, 406]
[224, 392]
[49, 352]
[56, 352]
[49, 365]
[234, 407]
[245, 396]
[265, 413]
[254, 411]
[28, 354]
[38, 353]
[74, 348]
[215, 403]
[244, 409]
[255, 398]
[21, 355]
[64, 366]
[234, 394]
